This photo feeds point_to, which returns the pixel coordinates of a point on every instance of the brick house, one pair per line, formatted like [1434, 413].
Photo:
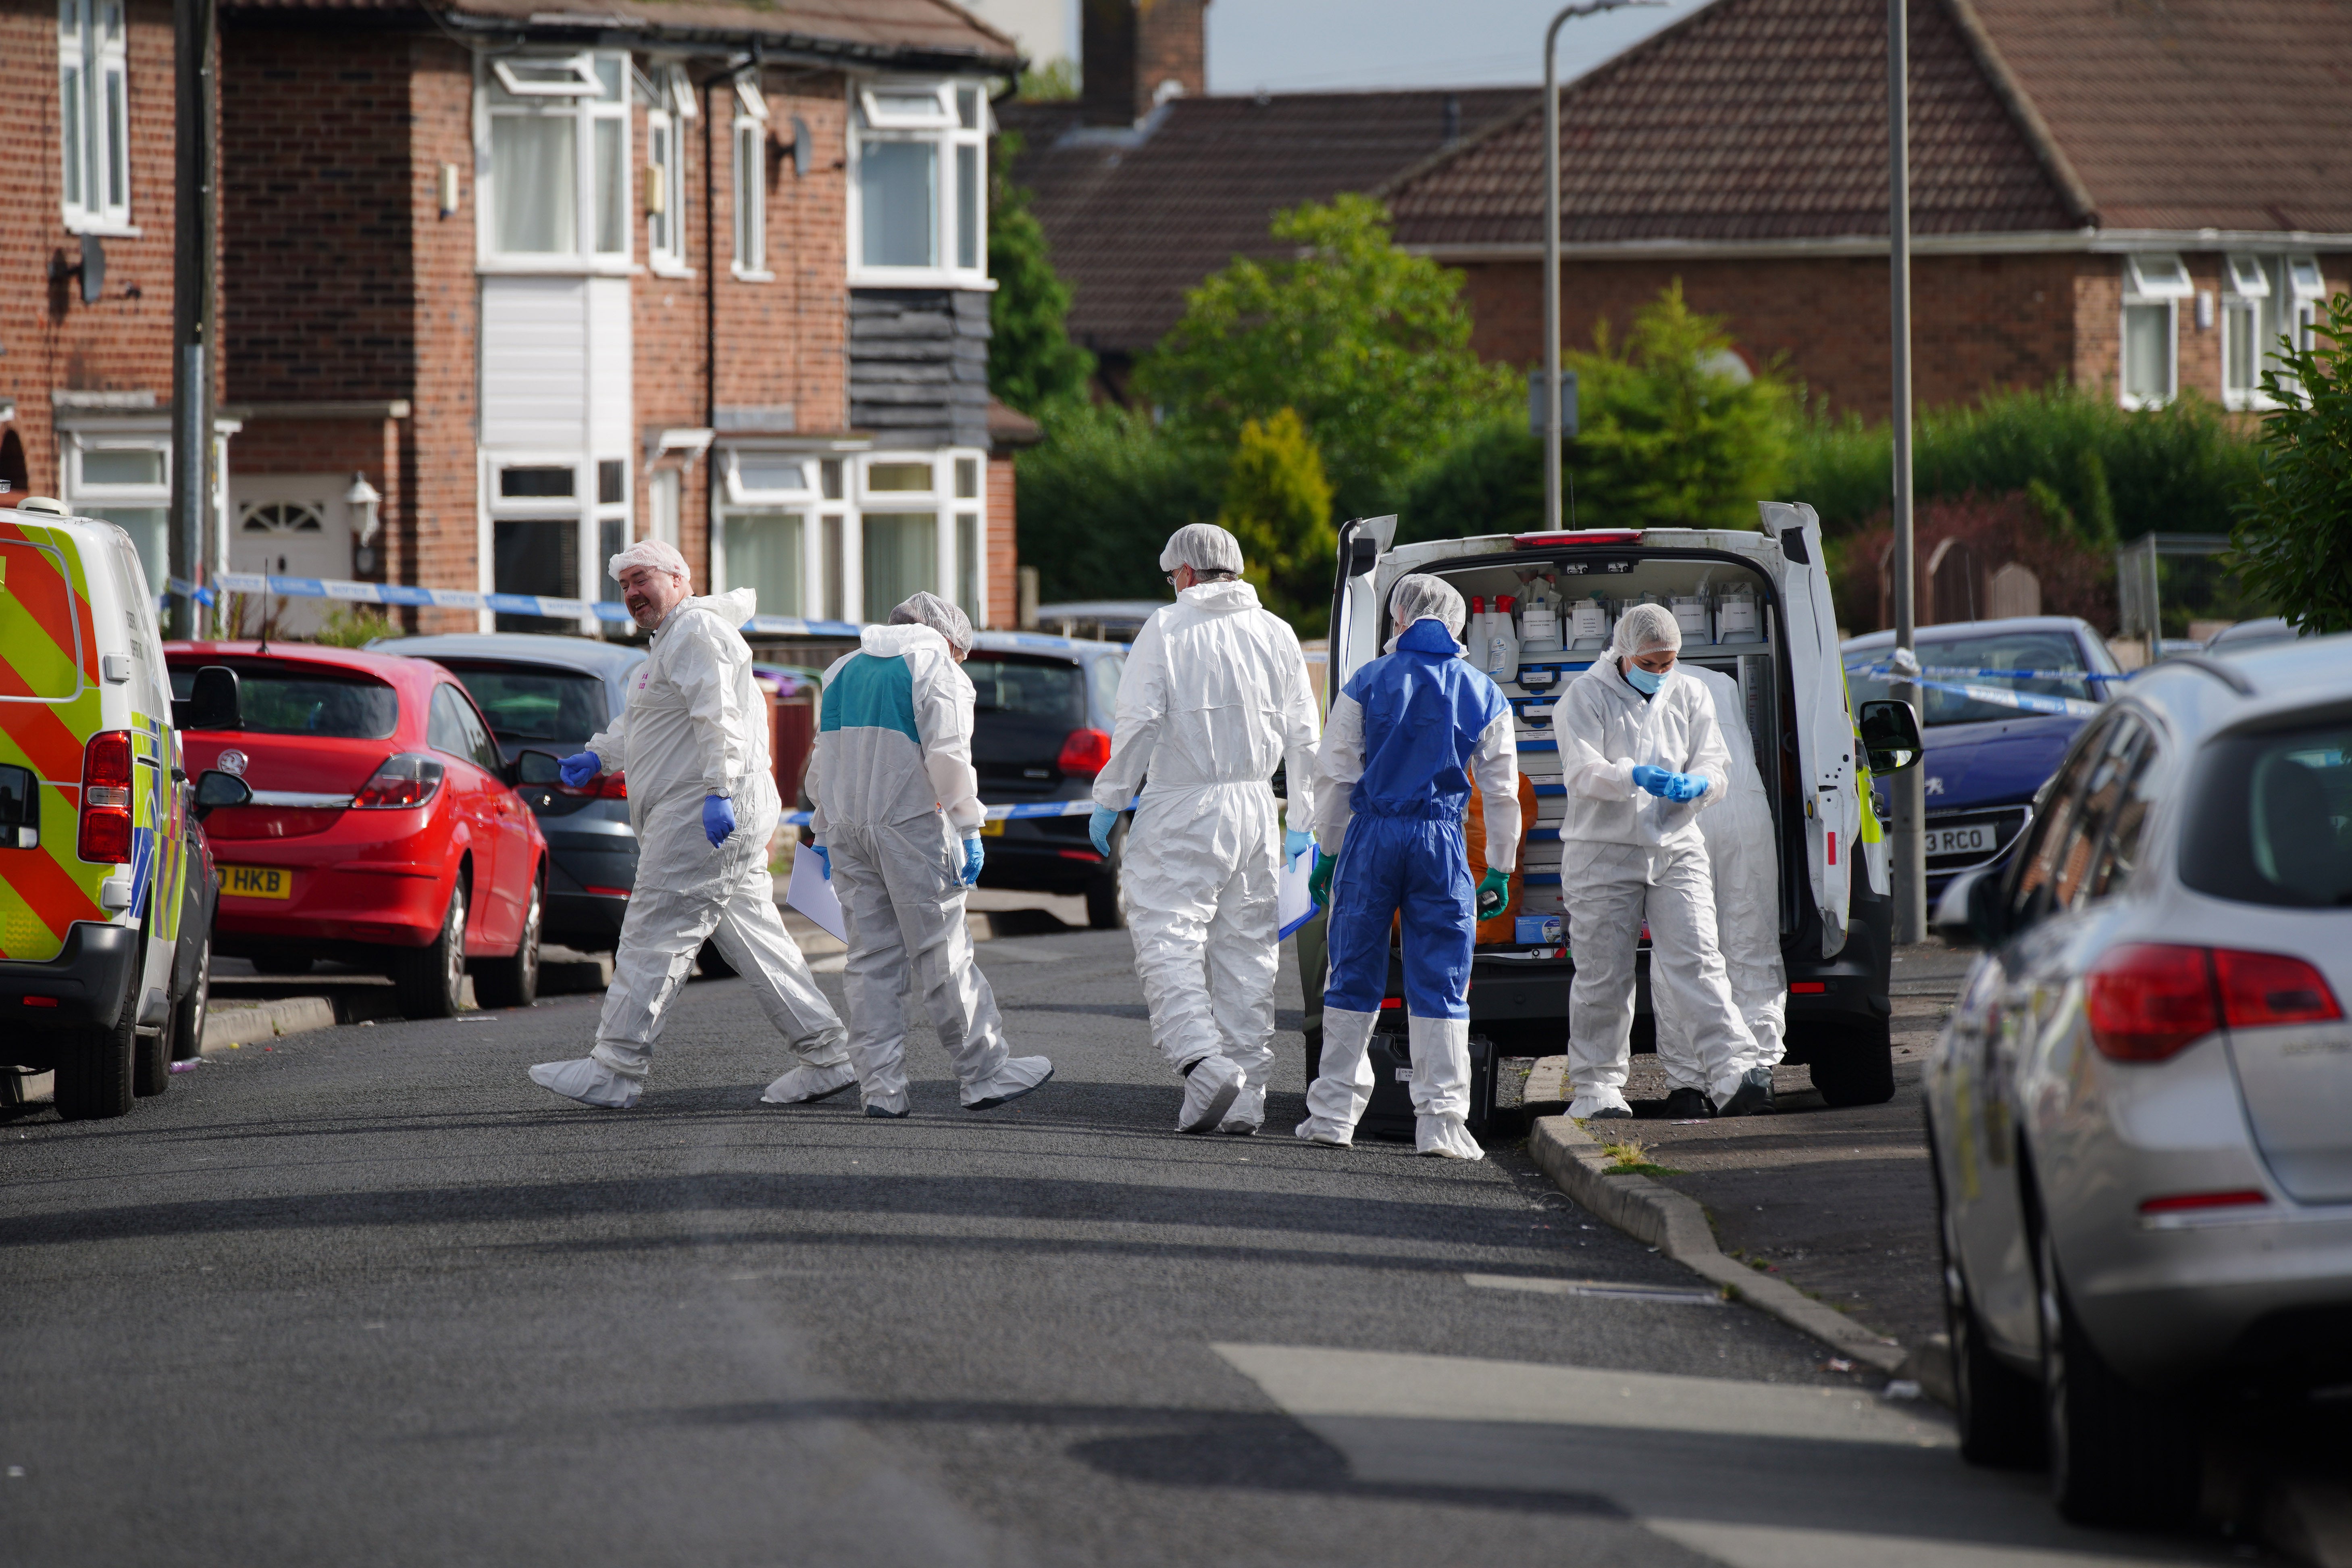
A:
[1149, 182]
[86, 98]
[713, 272]
[2123, 197]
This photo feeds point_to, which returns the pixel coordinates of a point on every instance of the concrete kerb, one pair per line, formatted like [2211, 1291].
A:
[1676, 1226]
[227, 1028]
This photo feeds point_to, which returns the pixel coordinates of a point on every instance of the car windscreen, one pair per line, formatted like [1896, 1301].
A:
[533, 704]
[1033, 689]
[2271, 819]
[289, 700]
[1981, 661]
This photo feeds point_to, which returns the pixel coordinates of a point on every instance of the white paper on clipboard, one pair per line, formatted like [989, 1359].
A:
[812, 895]
[1293, 904]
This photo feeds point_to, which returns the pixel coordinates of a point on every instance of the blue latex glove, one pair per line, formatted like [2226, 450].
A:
[1653, 779]
[1099, 828]
[579, 768]
[824, 859]
[1685, 787]
[1295, 844]
[972, 860]
[1494, 892]
[718, 819]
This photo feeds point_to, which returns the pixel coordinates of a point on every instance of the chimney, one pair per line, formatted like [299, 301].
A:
[1139, 53]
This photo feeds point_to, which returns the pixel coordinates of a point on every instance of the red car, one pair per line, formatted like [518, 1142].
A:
[383, 830]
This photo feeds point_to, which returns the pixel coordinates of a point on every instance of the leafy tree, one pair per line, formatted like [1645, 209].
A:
[2293, 537]
[1032, 363]
[1369, 344]
[1278, 504]
[1668, 438]
[1101, 494]
[1055, 82]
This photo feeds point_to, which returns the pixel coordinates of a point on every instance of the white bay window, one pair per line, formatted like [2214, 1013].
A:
[918, 193]
[557, 191]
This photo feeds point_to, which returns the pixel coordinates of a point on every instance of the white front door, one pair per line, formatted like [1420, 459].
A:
[290, 526]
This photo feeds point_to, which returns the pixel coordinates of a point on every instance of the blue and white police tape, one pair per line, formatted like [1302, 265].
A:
[1000, 813]
[2024, 701]
[1962, 672]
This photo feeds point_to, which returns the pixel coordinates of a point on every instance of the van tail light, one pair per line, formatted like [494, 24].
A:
[2146, 1001]
[1086, 753]
[406, 779]
[2262, 988]
[105, 833]
[2149, 1000]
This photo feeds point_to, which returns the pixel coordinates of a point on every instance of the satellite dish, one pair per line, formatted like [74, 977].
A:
[93, 269]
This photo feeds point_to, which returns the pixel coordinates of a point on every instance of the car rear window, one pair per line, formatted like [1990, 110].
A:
[1978, 661]
[527, 703]
[1029, 687]
[282, 700]
[2271, 821]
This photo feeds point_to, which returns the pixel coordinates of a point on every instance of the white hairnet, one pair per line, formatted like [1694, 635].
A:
[656, 553]
[1646, 629]
[931, 610]
[1204, 547]
[1422, 598]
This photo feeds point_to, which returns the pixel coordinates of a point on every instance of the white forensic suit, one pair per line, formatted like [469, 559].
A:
[1739, 849]
[696, 724]
[894, 793]
[1215, 696]
[1627, 854]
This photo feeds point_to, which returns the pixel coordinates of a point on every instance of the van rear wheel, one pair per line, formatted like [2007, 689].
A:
[1853, 1064]
[95, 1072]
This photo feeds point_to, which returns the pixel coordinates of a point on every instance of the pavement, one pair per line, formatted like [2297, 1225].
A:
[369, 1296]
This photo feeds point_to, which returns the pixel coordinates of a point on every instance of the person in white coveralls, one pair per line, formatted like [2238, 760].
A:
[693, 738]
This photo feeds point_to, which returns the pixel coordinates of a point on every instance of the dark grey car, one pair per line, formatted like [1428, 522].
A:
[551, 694]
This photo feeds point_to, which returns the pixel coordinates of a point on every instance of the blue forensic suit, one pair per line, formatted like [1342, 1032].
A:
[1404, 745]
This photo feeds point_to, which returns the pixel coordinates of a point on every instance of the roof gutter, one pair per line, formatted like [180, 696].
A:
[2010, 242]
[775, 48]
[2011, 93]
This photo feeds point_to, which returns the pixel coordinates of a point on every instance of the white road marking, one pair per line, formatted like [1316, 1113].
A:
[1676, 1295]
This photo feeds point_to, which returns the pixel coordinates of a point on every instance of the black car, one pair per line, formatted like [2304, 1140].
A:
[551, 694]
[1040, 732]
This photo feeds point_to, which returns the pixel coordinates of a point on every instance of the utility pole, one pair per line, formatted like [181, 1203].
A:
[1906, 790]
[195, 225]
[1552, 389]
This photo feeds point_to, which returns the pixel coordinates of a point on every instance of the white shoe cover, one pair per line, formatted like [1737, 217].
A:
[1210, 1091]
[1247, 1115]
[804, 1084]
[1444, 1138]
[1744, 1093]
[1016, 1077]
[1314, 1130]
[892, 1105]
[590, 1082]
[1602, 1102]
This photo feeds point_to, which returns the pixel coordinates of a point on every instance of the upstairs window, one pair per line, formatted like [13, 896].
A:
[558, 130]
[751, 180]
[918, 196]
[94, 113]
[671, 105]
[2154, 286]
[2269, 298]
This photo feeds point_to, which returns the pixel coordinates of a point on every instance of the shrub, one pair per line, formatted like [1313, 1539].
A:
[1100, 496]
[1278, 504]
[2293, 537]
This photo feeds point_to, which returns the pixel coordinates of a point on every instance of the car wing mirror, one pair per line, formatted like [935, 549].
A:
[1890, 735]
[213, 704]
[215, 788]
[535, 768]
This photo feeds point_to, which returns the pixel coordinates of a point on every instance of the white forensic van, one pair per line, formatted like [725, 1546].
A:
[1757, 607]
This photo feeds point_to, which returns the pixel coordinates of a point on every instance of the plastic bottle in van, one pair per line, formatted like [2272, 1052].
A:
[1502, 641]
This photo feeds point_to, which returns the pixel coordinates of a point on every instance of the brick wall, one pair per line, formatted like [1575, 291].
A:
[49, 340]
[438, 538]
[1003, 548]
[1978, 322]
[1170, 45]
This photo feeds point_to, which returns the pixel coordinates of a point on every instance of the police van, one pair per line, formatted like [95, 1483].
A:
[106, 886]
[1755, 606]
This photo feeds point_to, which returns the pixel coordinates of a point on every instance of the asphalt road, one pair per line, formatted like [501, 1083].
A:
[371, 1296]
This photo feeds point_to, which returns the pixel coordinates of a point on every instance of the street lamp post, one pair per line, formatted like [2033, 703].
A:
[1906, 790]
[1551, 398]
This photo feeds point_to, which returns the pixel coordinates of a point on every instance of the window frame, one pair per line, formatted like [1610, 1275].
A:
[748, 126]
[957, 574]
[609, 102]
[951, 136]
[101, 149]
[664, 172]
[2145, 290]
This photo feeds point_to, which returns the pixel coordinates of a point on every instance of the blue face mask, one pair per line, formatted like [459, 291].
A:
[1642, 680]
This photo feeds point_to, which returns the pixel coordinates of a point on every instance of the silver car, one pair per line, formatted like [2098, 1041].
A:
[2141, 1114]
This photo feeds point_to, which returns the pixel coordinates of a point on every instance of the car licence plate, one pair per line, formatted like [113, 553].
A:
[258, 881]
[1964, 838]
[993, 829]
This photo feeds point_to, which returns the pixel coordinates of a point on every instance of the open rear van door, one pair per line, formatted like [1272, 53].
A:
[1827, 778]
[1355, 598]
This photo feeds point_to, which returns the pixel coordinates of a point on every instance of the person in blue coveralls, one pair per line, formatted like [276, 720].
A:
[1406, 740]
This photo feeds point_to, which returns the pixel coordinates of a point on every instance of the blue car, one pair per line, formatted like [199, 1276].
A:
[1993, 738]
[551, 694]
